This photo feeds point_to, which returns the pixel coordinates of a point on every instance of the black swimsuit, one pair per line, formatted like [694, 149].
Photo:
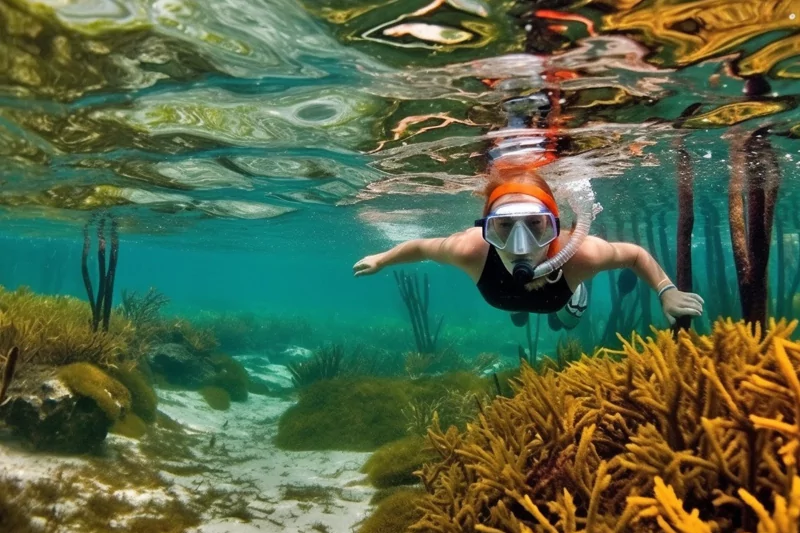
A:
[498, 288]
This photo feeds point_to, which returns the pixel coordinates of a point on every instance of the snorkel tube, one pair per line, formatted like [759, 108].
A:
[581, 200]
[537, 151]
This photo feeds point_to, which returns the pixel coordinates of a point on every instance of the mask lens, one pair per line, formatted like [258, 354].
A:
[498, 229]
[540, 226]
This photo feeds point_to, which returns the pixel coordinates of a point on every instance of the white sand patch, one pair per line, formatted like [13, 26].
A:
[283, 491]
[271, 471]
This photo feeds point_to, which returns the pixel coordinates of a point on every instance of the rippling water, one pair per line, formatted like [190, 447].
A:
[287, 127]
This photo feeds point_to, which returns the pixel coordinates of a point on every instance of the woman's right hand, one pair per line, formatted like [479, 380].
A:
[368, 265]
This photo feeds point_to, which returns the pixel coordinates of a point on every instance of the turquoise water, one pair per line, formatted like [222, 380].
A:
[252, 152]
[247, 151]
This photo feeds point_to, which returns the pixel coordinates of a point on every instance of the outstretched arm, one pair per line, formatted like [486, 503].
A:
[596, 255]
[457, 249]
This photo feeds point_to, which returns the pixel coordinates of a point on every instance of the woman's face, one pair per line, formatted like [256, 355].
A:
[536, 255]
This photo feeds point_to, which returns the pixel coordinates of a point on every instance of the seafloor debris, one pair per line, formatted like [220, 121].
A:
[698, 433]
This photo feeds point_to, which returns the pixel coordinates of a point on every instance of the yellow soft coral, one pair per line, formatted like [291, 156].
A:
[686, 434]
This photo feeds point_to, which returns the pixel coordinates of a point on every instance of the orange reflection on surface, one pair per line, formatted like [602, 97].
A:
[705, 28]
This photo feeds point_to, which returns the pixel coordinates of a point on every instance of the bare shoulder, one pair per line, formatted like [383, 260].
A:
[588, 258]
[467, 244]
[466, 250]
[590, 250]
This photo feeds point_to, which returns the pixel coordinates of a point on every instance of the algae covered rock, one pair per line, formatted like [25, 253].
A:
[144, 401]
[230, 376]
[394, 464]
[91, 382]
[43, 410]
[395, 513]
[180, 366]
[364, 413]
[217, 398]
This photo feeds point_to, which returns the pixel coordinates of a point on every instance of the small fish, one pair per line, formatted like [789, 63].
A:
[8, 371]
[225, 424]
[213, 441]
[429, 32]
[626, 282]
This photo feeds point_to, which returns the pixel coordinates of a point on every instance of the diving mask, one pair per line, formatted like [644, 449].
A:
[520, 228]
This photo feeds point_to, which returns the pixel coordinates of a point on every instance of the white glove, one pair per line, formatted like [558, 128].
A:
[675, 303]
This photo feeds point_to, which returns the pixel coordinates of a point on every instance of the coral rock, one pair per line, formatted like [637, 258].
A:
[180, 366]
[44, 411]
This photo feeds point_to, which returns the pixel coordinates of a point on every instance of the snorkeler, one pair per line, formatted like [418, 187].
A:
[517, 254]
[518, 235]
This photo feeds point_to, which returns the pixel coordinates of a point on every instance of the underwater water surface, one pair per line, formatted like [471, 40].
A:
[236, 158]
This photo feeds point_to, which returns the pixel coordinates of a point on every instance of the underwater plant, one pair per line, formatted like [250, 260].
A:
[87, 380]
[421, 363]
[101, 307]
[217, 398]
[9, 367]
[231, 376]
[54, 330]
[324, 364]
[247, 331]
[198, 338]
[144, 401]
[395, 513]
[144, 312]
[694, 433]
[417, 302]
[364, 413]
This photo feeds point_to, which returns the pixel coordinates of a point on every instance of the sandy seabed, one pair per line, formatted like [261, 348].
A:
[281, 490]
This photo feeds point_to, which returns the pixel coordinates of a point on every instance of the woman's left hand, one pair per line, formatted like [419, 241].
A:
[676, 304]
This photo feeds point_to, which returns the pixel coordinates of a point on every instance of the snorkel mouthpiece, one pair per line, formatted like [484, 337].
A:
[522, 273]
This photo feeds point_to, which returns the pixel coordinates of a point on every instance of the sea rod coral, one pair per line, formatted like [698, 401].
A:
[697, 433]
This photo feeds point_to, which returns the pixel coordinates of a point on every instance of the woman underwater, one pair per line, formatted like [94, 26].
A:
[520, 229]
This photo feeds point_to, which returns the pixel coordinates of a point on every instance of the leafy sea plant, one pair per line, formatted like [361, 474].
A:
[419, 414]
[144, 312]
[56, 330]
[324, 364]
[422, 363]
[199, 339]
[697, 433]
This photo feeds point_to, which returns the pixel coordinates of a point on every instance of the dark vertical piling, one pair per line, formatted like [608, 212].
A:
[755, 175]
[685, 226]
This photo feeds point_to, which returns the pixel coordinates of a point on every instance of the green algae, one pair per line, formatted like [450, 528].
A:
[144, 401]
[308, 493]
[395, 513]
[362, 414]
[395, 463]
[217, 398]
[231, 376]
[87, 380]
[130, 426]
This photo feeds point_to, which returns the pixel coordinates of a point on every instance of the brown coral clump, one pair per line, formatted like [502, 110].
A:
[698, 433]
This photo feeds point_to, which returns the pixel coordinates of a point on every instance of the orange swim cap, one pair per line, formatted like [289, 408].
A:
[522, 188]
